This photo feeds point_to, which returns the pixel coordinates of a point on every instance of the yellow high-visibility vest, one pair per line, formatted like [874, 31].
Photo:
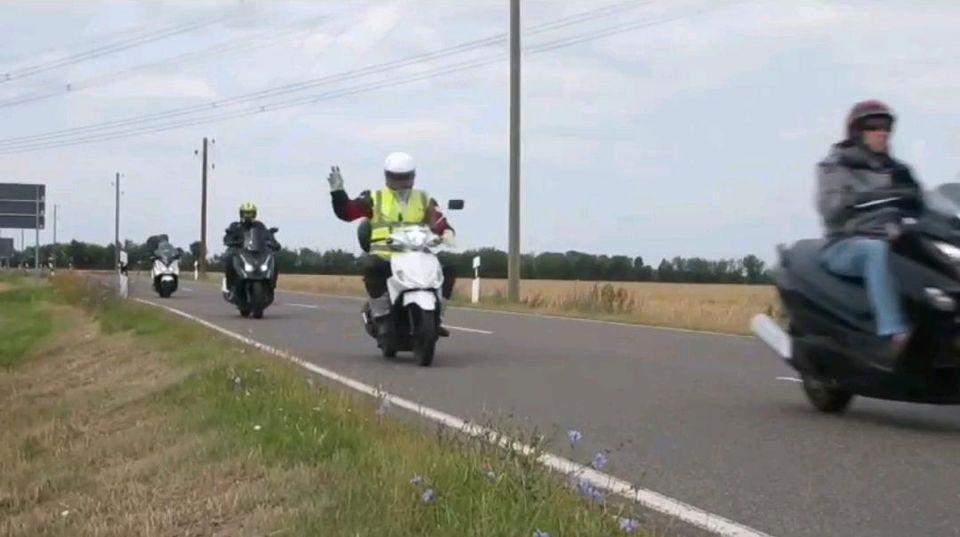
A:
[389, 213]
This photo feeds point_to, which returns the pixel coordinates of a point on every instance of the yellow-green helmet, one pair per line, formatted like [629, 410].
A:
[248, 212]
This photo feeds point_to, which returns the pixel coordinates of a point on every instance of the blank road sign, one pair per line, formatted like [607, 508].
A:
[6, 248]
[19, 205]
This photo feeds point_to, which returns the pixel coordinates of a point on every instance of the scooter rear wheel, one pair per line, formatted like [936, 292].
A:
[826, 397]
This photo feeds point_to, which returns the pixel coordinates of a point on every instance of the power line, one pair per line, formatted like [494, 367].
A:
[89, 41]
[363, 88]
[263, 39]
[111, 48]
[312, 83]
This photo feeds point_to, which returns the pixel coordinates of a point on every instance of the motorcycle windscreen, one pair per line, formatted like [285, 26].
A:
[255, 248]
[166, 253]
[945, 199]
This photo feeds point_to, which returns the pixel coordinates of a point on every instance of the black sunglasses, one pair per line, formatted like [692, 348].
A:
[876, 126]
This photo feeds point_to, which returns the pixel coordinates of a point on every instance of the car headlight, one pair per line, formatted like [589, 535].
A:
[949, 250]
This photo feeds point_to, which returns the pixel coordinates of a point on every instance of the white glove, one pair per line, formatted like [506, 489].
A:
[449, 238]
[335, 179]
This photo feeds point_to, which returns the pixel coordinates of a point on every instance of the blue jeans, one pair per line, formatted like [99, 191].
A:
[869, 259]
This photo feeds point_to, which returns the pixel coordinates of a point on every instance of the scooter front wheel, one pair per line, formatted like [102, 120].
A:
[825, 396]
[425, 344]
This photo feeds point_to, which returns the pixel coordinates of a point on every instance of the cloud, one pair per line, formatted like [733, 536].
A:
[424, 130]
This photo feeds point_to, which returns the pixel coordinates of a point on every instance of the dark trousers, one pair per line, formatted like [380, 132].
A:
[376, 270]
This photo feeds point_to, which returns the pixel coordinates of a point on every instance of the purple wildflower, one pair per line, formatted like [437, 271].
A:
[628, 525]
[587, 489]
[428, 496]
[574, 437]
[600, 461]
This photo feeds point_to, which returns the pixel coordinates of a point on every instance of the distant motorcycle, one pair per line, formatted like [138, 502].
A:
[165, 273]
[256, 268]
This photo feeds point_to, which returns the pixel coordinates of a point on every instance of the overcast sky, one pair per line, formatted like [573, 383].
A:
[695, 133]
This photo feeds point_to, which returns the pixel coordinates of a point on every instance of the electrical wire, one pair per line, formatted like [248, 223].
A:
[325, 80]
[260, 40]
[105, 50]
[363, 88]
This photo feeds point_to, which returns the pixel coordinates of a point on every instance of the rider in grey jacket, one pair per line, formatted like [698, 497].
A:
[855, 177]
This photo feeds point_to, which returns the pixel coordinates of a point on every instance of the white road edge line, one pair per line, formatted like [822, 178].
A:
[652, 500]
[790, 379]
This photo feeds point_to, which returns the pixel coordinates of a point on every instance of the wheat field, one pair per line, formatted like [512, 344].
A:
[711, 307]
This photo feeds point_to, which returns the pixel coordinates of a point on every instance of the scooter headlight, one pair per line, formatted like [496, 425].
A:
[247, 266]
[949, 250]
[264, 267]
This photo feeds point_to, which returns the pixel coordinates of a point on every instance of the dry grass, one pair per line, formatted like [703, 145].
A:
[86, 451]
[719, 308]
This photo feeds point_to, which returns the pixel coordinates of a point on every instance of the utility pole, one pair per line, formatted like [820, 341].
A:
[203, 214]
[513, 259]
[55, 225]
[116, 226]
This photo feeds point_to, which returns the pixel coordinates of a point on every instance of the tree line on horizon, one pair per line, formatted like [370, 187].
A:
[570, 265]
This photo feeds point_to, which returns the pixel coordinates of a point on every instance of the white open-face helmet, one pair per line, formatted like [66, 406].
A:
[399, 170]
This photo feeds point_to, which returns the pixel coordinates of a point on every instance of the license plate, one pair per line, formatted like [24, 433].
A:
[167, 278]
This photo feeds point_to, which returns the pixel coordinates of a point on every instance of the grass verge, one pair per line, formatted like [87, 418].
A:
[25, 318]
[127, 421]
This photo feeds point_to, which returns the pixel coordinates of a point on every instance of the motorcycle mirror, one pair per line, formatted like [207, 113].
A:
[274, 230]
[455, 205]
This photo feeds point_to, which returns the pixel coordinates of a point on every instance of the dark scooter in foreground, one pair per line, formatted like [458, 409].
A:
[828, 332]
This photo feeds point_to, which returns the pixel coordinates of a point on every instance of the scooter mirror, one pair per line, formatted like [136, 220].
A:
[455, 205]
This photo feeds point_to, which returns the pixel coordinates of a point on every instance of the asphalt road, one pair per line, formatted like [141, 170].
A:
[702, 418]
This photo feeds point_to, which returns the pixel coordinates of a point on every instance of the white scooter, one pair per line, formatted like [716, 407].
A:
[165, 273]
[413, 305]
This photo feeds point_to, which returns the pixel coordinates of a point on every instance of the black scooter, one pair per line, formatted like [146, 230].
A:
[256, 268]
[827, 330]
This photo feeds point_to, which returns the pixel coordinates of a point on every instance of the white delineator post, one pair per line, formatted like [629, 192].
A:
[196, 270]
[124, 280]
[475, 288]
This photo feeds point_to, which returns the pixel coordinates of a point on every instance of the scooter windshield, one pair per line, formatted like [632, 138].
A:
[255, 240]
[945, 199]
[166, 253]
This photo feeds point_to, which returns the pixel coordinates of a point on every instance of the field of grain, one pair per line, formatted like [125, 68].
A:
[720, 308]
